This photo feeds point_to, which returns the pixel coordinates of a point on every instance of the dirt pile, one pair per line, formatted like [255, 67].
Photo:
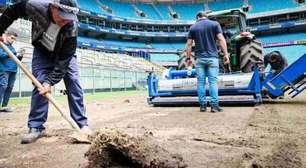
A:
[284, 155]
[116, 149]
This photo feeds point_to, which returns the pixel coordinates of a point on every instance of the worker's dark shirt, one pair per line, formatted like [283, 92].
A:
[65, 46]
[278, 65]
[204, 33]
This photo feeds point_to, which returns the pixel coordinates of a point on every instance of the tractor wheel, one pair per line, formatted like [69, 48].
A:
[182, 62]
[250, 55]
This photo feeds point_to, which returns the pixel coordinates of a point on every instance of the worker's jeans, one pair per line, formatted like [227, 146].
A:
[3, 85]
[207, 67]
[41, 67]
[7, 80]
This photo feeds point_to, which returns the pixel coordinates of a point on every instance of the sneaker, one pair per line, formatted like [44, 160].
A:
[6, 110]
[215, 109]
[203, 108]
[32, 135]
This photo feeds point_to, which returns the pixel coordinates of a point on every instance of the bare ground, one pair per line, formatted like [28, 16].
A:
[270, 135]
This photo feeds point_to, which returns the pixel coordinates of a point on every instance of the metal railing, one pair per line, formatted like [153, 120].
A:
[94, 78]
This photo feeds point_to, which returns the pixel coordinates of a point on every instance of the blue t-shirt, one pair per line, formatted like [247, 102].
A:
[7, 64]
[204, 33]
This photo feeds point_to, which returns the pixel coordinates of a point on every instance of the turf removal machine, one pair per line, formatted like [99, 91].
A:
[180, 86]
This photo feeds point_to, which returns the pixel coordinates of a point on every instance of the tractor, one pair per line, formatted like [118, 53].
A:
[245, 52]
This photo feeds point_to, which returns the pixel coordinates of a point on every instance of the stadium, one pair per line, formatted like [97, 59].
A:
[132, 68]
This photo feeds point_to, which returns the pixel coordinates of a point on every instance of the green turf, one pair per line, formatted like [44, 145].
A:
[88, 97]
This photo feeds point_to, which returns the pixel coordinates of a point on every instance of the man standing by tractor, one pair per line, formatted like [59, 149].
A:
[8, 70]
[54, 37]
[205, 33]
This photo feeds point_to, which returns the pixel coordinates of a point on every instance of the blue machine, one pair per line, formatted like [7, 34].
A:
[2, 2]
[292, 79]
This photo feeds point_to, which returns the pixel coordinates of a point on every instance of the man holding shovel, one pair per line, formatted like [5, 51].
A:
[54, 37]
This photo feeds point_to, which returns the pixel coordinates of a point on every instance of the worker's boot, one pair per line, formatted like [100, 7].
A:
[215, 109]
[203, 108]
[6, 110]
[32, 135]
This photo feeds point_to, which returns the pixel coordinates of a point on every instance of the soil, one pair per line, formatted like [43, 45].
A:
[270, 135]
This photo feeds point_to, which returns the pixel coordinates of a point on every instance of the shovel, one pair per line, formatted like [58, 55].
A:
[77, 137]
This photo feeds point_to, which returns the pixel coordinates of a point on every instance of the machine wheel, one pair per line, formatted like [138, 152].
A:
[250, 55]
[182, 62]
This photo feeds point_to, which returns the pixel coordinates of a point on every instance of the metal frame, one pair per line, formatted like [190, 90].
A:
[292, 78]
[253, 90]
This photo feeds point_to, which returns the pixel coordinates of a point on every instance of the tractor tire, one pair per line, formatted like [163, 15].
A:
[182, 62]
[250, 55]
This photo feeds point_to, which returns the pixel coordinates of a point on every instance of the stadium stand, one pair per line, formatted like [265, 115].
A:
[112, 59]
[150, 11]
[264, 6]
[164, 11]
[161, 11]
[164, 57]
[282, 38]
[91, 6]
[191, 8]
[119, 8]
[162, 45]
[115, 60]
[225, 4]
[129, 44]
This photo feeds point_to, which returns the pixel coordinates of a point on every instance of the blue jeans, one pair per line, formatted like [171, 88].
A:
[7, 81]
[41, 67]
[207, 67]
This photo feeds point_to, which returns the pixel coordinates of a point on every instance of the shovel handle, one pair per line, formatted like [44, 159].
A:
[37, 84]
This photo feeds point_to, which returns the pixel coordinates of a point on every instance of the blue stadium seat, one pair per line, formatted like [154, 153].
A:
[225, 4]
[149, 11]
[185, 11]
[282, 38]
[120, 8]
[92, 6]
[162, 46]
[264, 6]
[163, 9]
[164, 57]
[114, 42]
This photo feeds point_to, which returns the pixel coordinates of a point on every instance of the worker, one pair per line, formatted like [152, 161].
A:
[54, 37]
[8, 70]
[277, 63]
[204, 33]
[276, 60]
